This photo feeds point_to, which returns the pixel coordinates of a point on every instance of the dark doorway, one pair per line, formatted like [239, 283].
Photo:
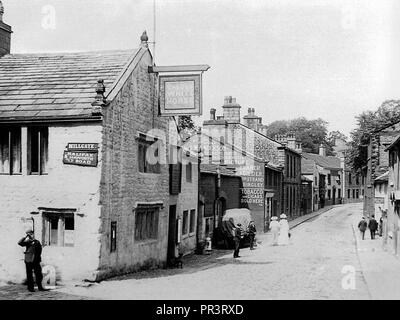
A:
[333, 195]
[171, 233]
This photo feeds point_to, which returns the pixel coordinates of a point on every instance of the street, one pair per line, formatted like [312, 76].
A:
[309, 268]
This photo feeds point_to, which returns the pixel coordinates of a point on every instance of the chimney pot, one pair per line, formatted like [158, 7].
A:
[212, 114]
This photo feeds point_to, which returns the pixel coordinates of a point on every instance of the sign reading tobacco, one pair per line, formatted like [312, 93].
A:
[81, 154]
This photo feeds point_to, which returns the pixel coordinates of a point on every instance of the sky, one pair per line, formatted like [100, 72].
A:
[288, 58]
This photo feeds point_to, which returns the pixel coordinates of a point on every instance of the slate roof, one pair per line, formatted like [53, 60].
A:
[328, 162]
[56, 85]
[394, 143]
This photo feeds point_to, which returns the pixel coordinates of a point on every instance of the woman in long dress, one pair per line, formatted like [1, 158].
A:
[274, 227]
[283, 238]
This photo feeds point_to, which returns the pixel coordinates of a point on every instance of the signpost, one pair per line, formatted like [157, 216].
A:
[180, 91]
[81, 154]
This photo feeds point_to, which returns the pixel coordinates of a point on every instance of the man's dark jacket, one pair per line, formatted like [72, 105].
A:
[373, 225]
[33, 249]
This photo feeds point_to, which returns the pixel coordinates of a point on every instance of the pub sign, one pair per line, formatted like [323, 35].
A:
[180, 95]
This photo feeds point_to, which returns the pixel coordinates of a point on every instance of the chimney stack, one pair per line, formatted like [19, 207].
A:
[212, 114]
[5, 34]
[322, 150]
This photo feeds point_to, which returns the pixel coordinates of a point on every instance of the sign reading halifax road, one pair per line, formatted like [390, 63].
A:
[180, 95]
[81, 154]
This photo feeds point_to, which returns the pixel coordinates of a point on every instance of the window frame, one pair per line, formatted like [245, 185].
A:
[148, 230]
[143, 143]
[47, 217]
[43, 133]
[11, 132]
[192, 221]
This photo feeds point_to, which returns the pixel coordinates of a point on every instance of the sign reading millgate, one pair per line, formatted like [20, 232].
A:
[81, 154]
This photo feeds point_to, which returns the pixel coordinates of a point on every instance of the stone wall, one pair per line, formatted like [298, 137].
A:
[134, 110]
[64, 186]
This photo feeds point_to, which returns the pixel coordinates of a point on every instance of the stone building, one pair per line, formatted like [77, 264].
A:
[84, 162]
[393, 193]
[378, 162]
[327, 173]
[276, 171]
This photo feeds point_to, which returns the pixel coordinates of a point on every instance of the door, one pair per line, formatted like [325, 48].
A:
[172, 232]
[333, 195]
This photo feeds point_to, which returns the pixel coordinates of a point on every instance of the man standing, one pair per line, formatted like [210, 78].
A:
[236, 238]
[373, 226]
[252, 234]
[32, 260]
[362, 226]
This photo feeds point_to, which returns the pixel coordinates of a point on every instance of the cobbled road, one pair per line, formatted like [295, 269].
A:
[310, 267]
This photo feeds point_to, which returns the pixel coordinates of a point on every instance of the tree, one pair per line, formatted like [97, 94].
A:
[367, 123]
[311, 133]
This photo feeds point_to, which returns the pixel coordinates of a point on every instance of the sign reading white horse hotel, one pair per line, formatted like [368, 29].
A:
[180, 94]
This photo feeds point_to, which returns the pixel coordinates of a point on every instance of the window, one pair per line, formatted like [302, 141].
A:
[189, 172]
[185, 222]
[348, 193]
[357, 180]
[349, 178]
[10, 150]
[113, 236]
[146, 223]
[329, 180]
[354, 193]
[192, 220]
[339, 193]
[287, 165]
[329, 194]
[175, 170]
[357, 194]
[58, 229]
[37, 150]
[148, 154]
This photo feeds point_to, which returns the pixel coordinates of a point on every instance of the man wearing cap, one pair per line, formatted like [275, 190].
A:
[362, 226]
[32, 260]
[236, 238]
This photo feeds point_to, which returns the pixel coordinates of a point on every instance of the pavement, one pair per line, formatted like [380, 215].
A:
[312, 266]
[379, 265]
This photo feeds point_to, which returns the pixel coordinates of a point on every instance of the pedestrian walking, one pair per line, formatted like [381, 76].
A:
[373, 226]
[252, 234]
[274, 227]
[362, 226]
[283, 238]
[32, 260]
[380, 232]
[237, 236]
